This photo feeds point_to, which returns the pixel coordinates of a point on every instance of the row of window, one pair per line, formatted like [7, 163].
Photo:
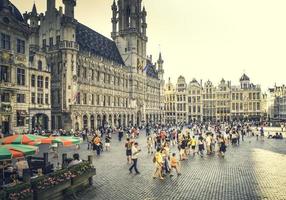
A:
[5, 75]
[51, 41]
[96, 76]
[21, 98]
[40, 98]
[40, 81]
[96, 100]
[6, 43]
[251, 106]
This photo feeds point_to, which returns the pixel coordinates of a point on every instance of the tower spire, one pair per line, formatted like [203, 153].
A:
[34, 10]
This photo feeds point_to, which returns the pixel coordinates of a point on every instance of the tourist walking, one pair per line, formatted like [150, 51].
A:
[150, 143]
[174, 165]
[201, 146]
[135, 151]
[107, 142]
[193, 145]
[128, 146]
[158, 160]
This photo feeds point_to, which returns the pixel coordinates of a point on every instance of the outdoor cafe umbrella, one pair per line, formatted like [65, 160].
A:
[10, 151]
[64, 140]
[23, 139]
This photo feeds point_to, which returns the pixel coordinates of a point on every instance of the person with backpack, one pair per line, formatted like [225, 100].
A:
[97, 144]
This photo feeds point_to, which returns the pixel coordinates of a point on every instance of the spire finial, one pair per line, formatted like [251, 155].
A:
[34, 9]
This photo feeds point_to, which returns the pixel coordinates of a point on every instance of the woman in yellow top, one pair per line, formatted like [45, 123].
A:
[158, 164]
[193, 145]
[174, 164]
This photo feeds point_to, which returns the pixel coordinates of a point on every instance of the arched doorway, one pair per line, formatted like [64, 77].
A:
[132, 120]
[76, 126]
[40, 121]
[119, 120]
[124, 121]
[115, 120]
[98, 121]
[138, 121]
[92, 122]
[110, 120]
[104, 121]
[85, 122]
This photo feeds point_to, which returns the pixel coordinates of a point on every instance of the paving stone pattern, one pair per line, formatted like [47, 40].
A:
[253, 170]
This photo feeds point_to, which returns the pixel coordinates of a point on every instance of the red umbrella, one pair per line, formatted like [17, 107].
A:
[23, 139]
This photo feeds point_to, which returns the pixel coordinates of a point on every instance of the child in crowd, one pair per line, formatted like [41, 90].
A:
[174, 164]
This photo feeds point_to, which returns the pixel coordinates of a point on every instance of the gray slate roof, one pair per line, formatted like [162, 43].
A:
[95, 43]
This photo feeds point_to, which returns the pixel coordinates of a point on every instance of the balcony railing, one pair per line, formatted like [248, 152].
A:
[62, 45]
[69, 45]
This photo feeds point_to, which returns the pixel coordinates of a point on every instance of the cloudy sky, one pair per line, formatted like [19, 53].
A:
[205, 39]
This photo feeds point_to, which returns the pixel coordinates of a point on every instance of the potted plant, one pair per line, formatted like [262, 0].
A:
[19, 192]
[82, 172]
[53, 185]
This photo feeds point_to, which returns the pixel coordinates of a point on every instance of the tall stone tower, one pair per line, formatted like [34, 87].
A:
[69, 7]
[160, 63]
[129, 32]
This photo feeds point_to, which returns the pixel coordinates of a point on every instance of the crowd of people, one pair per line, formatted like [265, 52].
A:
[170, 145]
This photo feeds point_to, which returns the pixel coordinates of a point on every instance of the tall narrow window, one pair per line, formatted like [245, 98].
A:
[44, 43]
[51, 41]
[47, 83]
[20, 98]
[33, 100]
[33, 80]
[4, 74]
[84, 98]
[20, 46]
[40, 98]
[5, 41]
[47, 98]
[58, 38]
[40, 65]
[40, 81]
[20, 76]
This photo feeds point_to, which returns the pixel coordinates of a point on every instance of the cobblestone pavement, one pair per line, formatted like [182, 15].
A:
[254, 170]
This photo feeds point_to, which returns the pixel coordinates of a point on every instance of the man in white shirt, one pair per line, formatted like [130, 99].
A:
[21, 164]
[75, 160]
[135, 151]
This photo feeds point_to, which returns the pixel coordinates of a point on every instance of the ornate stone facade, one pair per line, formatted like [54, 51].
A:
[276, 103]
[210, 103]
[22, 98]
[97, 81]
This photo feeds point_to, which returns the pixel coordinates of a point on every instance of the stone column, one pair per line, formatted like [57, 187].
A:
[88, 121]
[126, 120]
[95, 120]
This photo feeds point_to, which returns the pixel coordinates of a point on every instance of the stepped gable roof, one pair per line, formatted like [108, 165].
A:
[95, 43]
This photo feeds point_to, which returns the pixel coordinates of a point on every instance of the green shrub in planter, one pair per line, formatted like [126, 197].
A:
[51, 180]
[21, 191]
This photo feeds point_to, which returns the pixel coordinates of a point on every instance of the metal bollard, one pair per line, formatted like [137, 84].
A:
[64, 158]
[90, 179]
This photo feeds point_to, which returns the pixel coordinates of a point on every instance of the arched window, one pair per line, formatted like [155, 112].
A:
[85, 123]
[47, 82]
[40, 65]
